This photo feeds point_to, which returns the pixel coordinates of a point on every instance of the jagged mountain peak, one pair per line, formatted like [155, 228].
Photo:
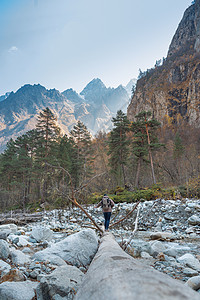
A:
[95, 108]
[95, 84]
[72, 96]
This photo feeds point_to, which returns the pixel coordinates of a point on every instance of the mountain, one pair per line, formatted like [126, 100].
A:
[94, 106]
[97, 104]
[130, 85]
[3, 97]
[172, 89]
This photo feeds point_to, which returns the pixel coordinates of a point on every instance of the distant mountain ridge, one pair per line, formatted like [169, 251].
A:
[94, 106]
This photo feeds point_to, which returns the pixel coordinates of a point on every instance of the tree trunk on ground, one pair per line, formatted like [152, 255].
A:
[115, 275]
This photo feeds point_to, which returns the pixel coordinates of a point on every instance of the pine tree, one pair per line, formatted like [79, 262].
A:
[145, 140]
[9, 164]
[83, 153]
[49, 135]
[118, 146]
[48, 129]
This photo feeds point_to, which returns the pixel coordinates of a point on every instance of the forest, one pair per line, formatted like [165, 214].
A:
[134, 161]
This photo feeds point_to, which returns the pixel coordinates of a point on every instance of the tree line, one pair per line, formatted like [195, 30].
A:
[42, 165]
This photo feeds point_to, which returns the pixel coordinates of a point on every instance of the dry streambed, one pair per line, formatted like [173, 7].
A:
[50, 257]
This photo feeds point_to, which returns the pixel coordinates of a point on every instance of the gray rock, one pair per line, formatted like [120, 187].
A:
[189, 230]
[140, 246]
[49, 258]
[23, 242]
[4, 249]
[4, 234]
[171, 217]
[189, 260]
[17, 290]
[157, 246]
[176, 250]
[19, 258]
[34, 274]
[4, 268]
[14, 275]
[77, 249]
[194, 220]
[194, 282]
[145, 255]
[162, 235]
[41, 234]
[64, 282]
[11, 227]
[27, 250]
[190, 272]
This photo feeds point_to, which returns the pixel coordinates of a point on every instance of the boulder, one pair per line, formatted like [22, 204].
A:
[175, 250]
[41, 234]
[18, 240]
[50, 258]
[18, 290]
[194, 282]
[190, 272]
[77, 249]
[4, 234]
[11, 227]
[63, 282]
[4, 249]
[162, 236]
[13, 275]
[23, 242]
[190, 261]
[4, 268]
[19, 258]
[145, 255]
[157, 246]
[194, 220]
[140, 246]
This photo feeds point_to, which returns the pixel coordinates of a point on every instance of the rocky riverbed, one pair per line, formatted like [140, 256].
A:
[50, 257]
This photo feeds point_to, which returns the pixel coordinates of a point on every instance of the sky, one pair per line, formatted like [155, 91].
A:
[66, 43]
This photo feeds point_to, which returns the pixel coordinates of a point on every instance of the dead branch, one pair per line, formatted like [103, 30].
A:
[73, 199]
[124, 218]
[134, 231]
[84, 185]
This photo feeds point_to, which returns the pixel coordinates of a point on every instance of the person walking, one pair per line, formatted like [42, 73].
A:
[107, 204]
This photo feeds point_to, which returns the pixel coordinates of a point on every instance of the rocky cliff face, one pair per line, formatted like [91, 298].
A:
[95, 107]
[173, 90]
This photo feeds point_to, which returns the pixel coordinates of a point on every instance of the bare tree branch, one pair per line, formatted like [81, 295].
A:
[73, 199]
[124, 218]
[134, 231]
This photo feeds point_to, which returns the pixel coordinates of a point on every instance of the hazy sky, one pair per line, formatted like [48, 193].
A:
[66, 43]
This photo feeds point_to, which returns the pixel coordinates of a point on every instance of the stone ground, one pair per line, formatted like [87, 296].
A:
[167, 239]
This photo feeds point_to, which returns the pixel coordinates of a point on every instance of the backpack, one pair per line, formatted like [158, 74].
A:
[106, 202]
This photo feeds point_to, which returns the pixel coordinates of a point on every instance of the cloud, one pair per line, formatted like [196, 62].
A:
[13, 49]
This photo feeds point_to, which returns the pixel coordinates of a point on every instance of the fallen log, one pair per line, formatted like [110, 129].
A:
[115, 275]
[21, 220]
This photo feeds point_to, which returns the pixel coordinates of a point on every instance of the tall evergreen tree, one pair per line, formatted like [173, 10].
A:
[48, 129]
[144, 140]
[83, 153]
[118, 146]
[49, 134]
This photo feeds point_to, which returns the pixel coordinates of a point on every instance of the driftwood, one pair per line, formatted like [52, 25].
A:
[21, 219]
[115, 275]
